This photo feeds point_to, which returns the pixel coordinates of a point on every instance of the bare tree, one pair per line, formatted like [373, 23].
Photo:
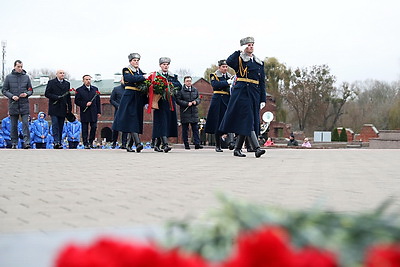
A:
[305, 90]
[46, 72]
[183, 72]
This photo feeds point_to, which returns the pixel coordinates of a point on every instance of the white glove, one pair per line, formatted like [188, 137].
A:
[243, 47]
[146, 106]
[146, 75]
[229, 81]
[262, 105]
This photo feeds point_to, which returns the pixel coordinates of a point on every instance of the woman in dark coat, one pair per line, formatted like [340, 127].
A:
[129, 117]
[248, 97]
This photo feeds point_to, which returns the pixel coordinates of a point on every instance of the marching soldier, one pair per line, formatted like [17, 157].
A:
[220, 81]
[129, 117]
[165, 121]
[248, 97]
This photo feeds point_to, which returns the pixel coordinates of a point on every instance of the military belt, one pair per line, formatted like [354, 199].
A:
[221, 92]
[247, 80]
[132, 88]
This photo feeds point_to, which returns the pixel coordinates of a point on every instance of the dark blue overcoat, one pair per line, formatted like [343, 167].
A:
[219, 102]
[165, 121]
[243, 112]
[129, 117]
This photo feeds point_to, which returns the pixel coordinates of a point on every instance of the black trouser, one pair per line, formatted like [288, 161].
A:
[195, 130]
[40, 145]
[124, 137]
[85, 132]
[73, 144]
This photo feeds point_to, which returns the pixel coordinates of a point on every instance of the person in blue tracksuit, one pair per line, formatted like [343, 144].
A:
[41, 131]
[6, 128]
[248, 97]
[50, 139]
[73, 130]
[2, 141]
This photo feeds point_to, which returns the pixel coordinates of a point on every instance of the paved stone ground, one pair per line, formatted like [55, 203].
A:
[48, 197]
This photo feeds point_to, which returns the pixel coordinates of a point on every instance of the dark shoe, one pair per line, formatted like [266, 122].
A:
[113, 145]
[198, 146]
[14, 147]
[157, 149]
[231, 146]
[122, 147]
[27, 147]
[167, 148]
[86, 147]
[129, 149]
[57, 146]
[218, 149]
[251, 150]
[91, 146]
[139, 148]
[187, 147]
[238, 153]
[259, 152]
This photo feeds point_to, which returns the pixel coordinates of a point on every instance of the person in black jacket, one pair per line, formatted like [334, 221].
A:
[57, 91]
[88, 99]
[188, 99]
[115, 99]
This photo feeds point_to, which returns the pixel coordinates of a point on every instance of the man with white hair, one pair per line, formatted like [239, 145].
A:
[57, 91]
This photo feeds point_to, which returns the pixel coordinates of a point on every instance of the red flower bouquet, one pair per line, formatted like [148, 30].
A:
[159, 88]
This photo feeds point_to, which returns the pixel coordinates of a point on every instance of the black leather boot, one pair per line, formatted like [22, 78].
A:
[165, 146]
[238, 146]
[248, 144]
[254, 143]
[138, 144]
[130, 144]
[231, 141]
[157, 144]
[218, 143]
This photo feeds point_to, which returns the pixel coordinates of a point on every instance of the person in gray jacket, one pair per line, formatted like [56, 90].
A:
[18, 87]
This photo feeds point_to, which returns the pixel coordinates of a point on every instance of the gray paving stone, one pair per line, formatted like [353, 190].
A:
[50, 196]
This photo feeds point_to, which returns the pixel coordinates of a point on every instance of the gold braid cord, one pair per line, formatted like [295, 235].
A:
[242, 71]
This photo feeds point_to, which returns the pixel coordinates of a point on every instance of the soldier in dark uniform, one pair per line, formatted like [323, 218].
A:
[115, 99]
[165, 121]
[220, 81]
[129, 118]
[248, 97]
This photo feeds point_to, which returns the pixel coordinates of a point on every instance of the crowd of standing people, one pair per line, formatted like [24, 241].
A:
[233, 114]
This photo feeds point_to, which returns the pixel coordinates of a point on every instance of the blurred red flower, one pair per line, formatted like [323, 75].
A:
[383, 256]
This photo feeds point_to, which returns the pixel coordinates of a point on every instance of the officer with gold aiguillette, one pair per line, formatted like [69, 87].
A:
[221, 80]
[248, 97]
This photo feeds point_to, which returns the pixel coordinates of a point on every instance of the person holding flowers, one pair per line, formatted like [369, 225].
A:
[58, 93]
[129, 117]
[87, 97]
[165, 121]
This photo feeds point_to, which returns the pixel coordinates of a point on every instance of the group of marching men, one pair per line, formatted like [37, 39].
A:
[234, 108]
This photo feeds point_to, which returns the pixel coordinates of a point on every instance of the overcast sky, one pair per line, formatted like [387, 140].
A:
[357, 39]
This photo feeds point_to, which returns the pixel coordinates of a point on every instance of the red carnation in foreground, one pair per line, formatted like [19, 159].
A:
[313, 257]
[266, 247]
[383, 255]
[111, 253]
